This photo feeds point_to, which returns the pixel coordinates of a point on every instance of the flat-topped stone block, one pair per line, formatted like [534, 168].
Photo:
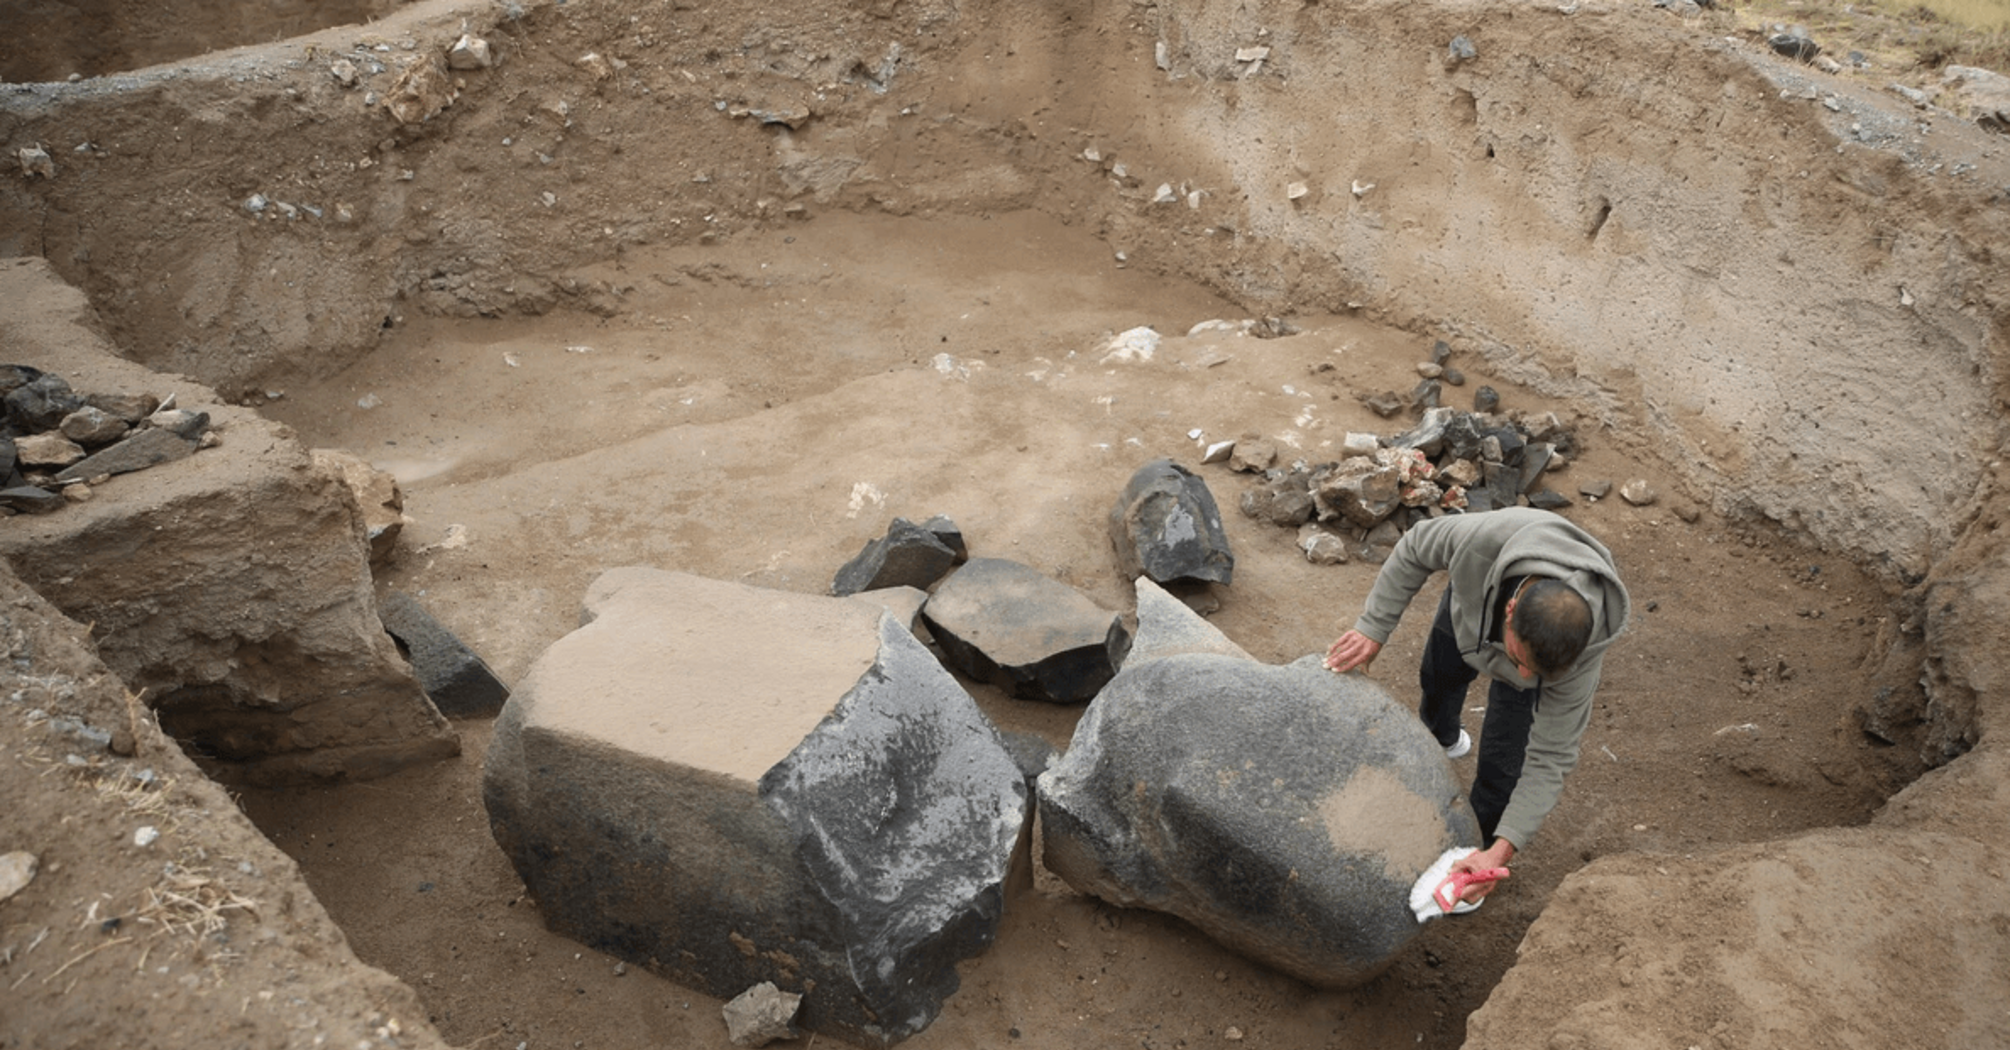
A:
[732, 785]
[1005, 623]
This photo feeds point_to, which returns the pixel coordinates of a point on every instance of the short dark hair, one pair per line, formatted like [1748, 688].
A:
[1554, 623]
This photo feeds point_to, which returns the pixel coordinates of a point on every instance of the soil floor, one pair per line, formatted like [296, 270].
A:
[758, 408]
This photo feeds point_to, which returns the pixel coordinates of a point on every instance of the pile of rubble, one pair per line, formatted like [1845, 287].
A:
[55, 443]
[1452, 461]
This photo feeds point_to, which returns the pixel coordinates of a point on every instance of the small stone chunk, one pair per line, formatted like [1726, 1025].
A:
[1218, 452]
[28, 499]
[1595, 489]
[1638, 492]
[761, 1014]
[1284, 500]
[908, 555]
[1320, 546]
[46, 450]
[1386, 404]
[1426, 394]
[456, 680]
[1360, 444]
[130, 409]
[469, 52]
[41, 403]
[36, 162]
[17, 870]
[1252, 455]
[1548, 499]
[93, 426]
[950, 534]
[142, 449]
[1430, 370]
[1486, 399]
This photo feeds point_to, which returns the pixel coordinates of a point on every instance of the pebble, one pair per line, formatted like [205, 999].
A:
[1430, 370]
[146, 836]
[1638, 493]
[17, 870]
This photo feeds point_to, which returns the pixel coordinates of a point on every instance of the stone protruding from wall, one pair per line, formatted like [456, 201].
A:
[458, 681]
[231, 588]
[1167, 526]
[731, 785]
[1284, 811]
[1005, 623]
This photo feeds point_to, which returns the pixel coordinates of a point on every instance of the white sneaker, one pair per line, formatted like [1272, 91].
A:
[1462, 748]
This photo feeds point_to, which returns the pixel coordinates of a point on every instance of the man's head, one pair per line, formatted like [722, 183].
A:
[1552, 624]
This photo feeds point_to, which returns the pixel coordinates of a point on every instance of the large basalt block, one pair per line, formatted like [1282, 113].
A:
[1284, 811]
[1002, 622]
[231, 587]
[731, 785]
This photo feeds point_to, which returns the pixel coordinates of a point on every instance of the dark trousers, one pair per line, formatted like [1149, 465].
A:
[1503, 738]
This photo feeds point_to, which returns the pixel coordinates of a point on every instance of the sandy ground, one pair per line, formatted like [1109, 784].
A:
[760, 407]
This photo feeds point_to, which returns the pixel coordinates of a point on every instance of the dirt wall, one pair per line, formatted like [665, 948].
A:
[1607, 204]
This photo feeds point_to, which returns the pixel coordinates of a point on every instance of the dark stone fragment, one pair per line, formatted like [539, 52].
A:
[181, 422]
[1441, 352]
[1426, 394]
[14, 377]
[1503, 480]
[909, 555]
[457, 680]
[1428, 436]
[140, 450]
[1548, 499]
[1486, 399]
[1595, 489]
[1453, 377]
[31, 500]
[1166, 526]
[1005, 623]
[1794, 45]
[1462, 437]
[9, 457]
[950, 535]
[40, 404]
[1535, 458]
[1480, 499]
[1511, 443]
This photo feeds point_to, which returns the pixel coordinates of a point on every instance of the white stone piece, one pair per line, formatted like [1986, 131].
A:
[469, 52]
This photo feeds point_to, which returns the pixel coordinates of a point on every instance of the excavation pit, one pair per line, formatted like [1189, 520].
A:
[754, 283]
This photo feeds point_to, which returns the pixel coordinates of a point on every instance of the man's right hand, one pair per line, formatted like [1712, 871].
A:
[1350, 651]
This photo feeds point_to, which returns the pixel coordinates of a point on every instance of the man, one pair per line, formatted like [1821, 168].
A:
[1532, 600]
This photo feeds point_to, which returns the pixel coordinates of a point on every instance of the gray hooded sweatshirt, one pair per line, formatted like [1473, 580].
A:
[1479, 551]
